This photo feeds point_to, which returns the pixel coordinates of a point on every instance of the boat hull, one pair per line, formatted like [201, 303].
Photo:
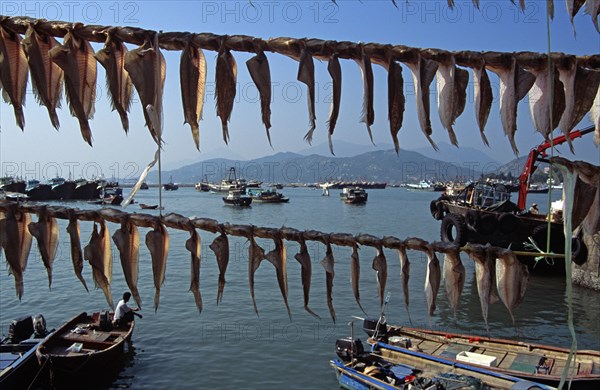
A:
[242, 201]
[522, 360]
[20, 372]
[101, 350]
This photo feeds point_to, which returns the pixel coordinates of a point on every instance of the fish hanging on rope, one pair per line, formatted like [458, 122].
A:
[512, 278]
[13, 71]
[433, 279]
[547, 89]
[335, 71]
[193, 245]
[483, 97]
[592, 8]
[303, 258]
[16, 240]
[147, 68]
[98, 253]
[127, 241]
[328, 263]
[484, 268]
[46, 76]
[157, 241]
[355, 275]
[395, 100]
[451, 85]
[366, 70]
[76, 58]
[423, 71]
[226, 77]
[580, 87]
[278, 258]
[220, 246]
[454, 276]
[256, 255]
[75, 245]
[573, 7]
[45, 231]
[192, 77]
[119, 85]
[405, 274]
[306, 75]
[258, 67]
[514, 85]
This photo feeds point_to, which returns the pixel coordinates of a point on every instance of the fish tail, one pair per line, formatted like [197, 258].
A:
[196, 134]
[156, 299]
[225, 130]
[124, 120]
[396, 143]
[198, 299]
[370, 134]
[476, 3]
[19, 286]
[19, 116]
[136, 297]
[484, 139]
[54, 118]
[331, 143]
[452, 135]
[269, 135]
[86, 132]
[309, 311]
[80, 277]
[309, 135]
[433, 144]
[513, 144]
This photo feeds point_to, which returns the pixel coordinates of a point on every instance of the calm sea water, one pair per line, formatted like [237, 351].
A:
[227, 346]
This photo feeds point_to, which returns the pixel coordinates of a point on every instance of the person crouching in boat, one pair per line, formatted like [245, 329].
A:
[124, 314]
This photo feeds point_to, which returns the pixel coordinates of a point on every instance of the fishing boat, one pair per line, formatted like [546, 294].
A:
[86, 346]
[540, 363]
[85, 190]
[268, 196]
[203, 185]
[354, 195]
[18, 364]
[359, 369]
[10, 184]
[148, 206]
[237, 198]
[144, 186]
[171, 186]
[421, 186]
[231, 183]
[38, 191]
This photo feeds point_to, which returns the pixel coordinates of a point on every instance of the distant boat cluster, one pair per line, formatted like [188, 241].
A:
[58, 189]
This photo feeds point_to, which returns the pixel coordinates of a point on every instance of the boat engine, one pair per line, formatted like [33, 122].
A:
[20, 329]
[39, 326]
[372, 326]
[348, 347]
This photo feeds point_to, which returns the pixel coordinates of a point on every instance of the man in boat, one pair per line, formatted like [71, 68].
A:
[534, 209]
[123, 313]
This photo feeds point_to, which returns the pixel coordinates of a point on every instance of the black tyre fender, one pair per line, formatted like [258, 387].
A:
[473, 220]
[488, 225]
[436, 209]
[557, 238]
[454, 229]
[579, 251]
[508, 223]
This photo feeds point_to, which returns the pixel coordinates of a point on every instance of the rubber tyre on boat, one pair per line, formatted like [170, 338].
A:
[454, 229]
[437, 210]
[473, 220]
[488, 225]
[508, 223]
[579, 251]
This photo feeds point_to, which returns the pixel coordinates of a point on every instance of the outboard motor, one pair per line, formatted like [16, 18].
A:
[39, 327]
[20, 329]
[348, 347]
[104, 322]
[372, 326]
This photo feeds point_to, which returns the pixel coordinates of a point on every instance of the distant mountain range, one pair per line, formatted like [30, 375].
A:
[349, 164]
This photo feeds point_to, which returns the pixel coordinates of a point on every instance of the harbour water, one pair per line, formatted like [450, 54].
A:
[228, 347]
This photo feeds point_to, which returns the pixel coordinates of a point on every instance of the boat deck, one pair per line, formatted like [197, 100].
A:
[509, 356]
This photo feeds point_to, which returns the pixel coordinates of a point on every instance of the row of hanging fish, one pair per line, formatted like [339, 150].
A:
[569, 83]
[18, 230]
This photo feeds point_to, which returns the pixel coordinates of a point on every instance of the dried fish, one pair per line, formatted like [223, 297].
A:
[306, 272]
[483, 98]
[220, 246]
[380, 266]
[157, 241]
[335, 70]
[512, 278]
[226, 76]
[405, 274]
[15, 239]
[454, 277]
[98, 253]
[514, 85]
[451, 87]
[306, 75]
[258, 67]
[127, 240]
[46, 76]
[573, 7]
[256, 255]
[592, 8]
[595, 117]
[192, 244]
[355, 275]
[395, 100]
[278, 258]
[546, 90]
[76, 252]
[147, 68]
[483, 275]
[13, 72]
[366, 70]
[433, 279]
[118, 82]
[580, 87]
[192, 73]
[45, 231]
[76, 58]
[423, 71]
[328, 263]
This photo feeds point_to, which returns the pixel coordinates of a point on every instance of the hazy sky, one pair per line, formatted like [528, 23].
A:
[41, 151]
